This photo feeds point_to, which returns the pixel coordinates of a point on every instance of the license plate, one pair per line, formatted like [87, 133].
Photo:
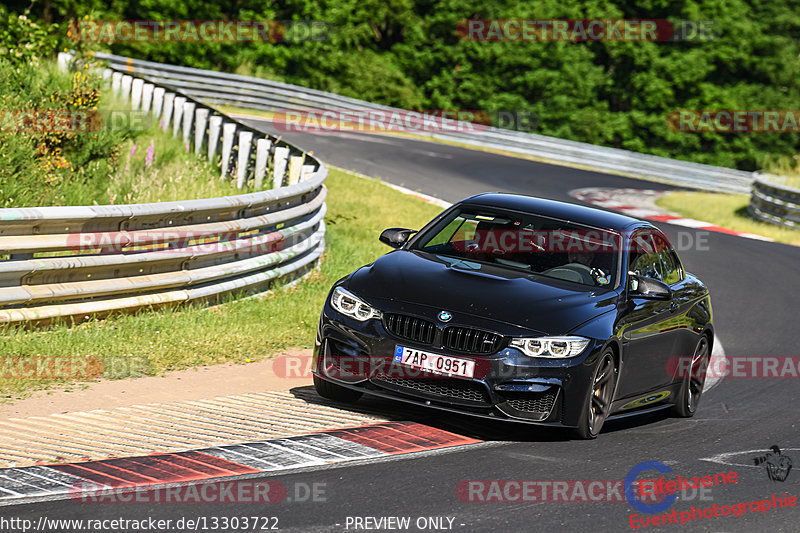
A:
[434, 363]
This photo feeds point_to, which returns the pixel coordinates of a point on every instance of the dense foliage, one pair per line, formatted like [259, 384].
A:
[63, 143]
[408, 54]
[42, 152]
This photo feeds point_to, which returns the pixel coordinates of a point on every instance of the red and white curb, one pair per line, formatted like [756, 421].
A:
[274, 455]
[640, 203]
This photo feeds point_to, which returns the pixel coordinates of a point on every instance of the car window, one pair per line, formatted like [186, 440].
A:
[644, 260]
[526, 242]
[670, 266]
[458, 230]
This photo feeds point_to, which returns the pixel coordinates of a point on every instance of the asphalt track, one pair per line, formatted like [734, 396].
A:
[754, 287]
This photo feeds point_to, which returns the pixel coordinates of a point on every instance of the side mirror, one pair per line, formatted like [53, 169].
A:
[396, 237]
[642, 287]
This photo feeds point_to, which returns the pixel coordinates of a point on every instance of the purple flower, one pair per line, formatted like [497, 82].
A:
[148, 160]
[133, 149]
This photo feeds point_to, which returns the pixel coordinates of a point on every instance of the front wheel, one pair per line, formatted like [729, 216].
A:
[597, 408]
[692, 386]
[335, 392]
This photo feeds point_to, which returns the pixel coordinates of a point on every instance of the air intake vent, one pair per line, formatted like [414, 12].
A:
[452, 389]
[533, 402]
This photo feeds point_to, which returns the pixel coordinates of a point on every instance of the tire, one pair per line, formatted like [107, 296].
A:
[596, 410]
[692, 386]
[334, 392]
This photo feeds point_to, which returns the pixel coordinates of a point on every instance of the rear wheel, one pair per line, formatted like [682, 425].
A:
[692, 386]
[335, 392]
[597, 408]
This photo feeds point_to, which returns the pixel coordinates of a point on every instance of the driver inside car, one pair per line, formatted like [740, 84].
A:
[579, 268]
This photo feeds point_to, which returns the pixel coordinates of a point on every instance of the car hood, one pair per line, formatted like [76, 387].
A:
[547, 306]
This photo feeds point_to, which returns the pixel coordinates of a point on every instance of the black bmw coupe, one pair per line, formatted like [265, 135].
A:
[517, 308]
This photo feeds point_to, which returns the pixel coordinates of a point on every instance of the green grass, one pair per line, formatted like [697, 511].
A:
[125, 157]
[784, 171]
[237, 331]
[726, 210]
[172, 172]
[172, 175]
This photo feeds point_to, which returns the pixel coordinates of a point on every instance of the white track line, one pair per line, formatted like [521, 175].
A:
[725, 458]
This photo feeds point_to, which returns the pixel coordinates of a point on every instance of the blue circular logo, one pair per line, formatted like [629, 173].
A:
[630, 489]
[444, 316]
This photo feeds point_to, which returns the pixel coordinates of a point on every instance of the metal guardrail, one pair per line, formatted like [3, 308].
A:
[775, 203]
[255, 93]
[81, 260]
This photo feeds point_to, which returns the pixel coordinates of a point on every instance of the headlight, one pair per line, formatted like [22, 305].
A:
[550, 346]
[351, 305]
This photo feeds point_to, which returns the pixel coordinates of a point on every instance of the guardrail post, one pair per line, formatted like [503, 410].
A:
[136, 93]
[245, 142]
[116, 82]
[295, 167]
[279, 166]
[200, 120]
[126, 86]
[64, 59]
[262, 153]
[147, 96]
[158, 101]
[169, 104]
[306, 172]
[177, 111]
[188, 118]
[228, 131]
[107, 73]
[214, 126]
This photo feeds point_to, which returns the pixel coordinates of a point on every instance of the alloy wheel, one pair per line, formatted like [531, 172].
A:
[602, 391]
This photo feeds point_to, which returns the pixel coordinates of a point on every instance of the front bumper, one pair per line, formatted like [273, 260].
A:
[507, 384]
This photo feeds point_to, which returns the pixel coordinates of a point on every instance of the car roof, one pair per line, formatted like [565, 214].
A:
[581, 214]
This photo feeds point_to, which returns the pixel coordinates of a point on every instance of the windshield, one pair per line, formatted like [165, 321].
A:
[525, 242]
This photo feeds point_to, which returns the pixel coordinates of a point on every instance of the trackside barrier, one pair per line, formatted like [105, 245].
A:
[254, 93]
[86, 260]
[775, 203]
